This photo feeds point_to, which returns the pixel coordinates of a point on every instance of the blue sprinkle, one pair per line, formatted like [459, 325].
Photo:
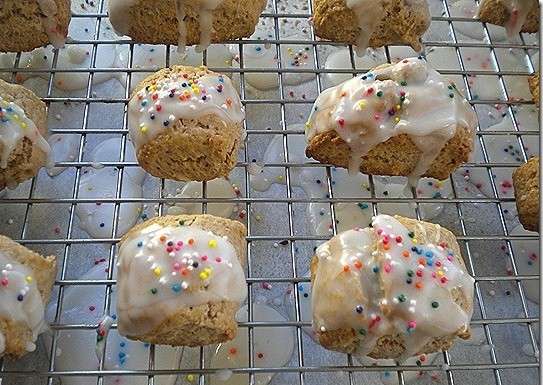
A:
[140, 244]
[363, 206]
[121, 355]
[144, 103]
[258, 49]
[102, 224]
[375, 269]
[114, 316]
[122, 344]
[176, 288]
[429, 254]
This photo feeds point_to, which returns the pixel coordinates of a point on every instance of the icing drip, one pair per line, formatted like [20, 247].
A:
[101, 336]
[381, 281]
[20, 299]
[119, 17]
[518, 12]
[14, 126]
[405, 98]
[50, 24]
[369, 16]
[156, 107]
[162, 269]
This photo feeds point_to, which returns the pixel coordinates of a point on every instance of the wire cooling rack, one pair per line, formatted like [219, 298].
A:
[302, 369]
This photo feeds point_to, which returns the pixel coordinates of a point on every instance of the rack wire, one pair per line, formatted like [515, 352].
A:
[300, 370]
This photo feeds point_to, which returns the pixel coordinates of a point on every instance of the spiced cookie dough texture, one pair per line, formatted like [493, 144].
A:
[29, 24]
[515, 15]
[398, 119]
[181, 281]
[185, 22]
[186, 123]
[394, 290]
[26, 280]
[533, 82]
[23, 128]
[372, 23]
[526, 183]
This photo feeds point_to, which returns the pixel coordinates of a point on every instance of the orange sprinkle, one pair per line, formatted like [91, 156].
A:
[405, 253]
[418, 285]
[184, 272]
[346, 268]
[358, 264]
[162, 238]
[191, 241]
[233, 351]
[422, 261]
[386, 246]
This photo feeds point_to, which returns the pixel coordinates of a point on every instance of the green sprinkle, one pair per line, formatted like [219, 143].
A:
[362, 331]
[410, 273]
[379, 93]
[451, 95]
[450, 87]
[154, 290]
[363, 205]
[435, 304]
[402, 298]
[403, 83]
[181, 223]
[411, 234]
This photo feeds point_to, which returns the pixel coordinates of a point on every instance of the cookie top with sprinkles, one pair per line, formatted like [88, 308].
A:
[180, 93]
[408, 97]
[20, 299]
[383, 281]
[164, 268]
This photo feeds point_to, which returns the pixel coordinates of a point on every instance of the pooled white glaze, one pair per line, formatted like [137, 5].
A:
[14, 126]
[119, 17]
[216, 188]
[64, 148]
[84, 304]
[50, 24]
[380, 281]
[162, 269]
[20, 299]
[341, 59]
[409, 98]
[156, 107]
[272, 347]
[527, 258]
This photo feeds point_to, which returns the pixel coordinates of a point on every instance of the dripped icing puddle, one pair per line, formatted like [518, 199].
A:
[468, 30]
[409, 377]
[341, 59]
[64, 148]
[527, 260]
[76, 348]
[97, 218]
[153, 57]
[216, 188]
[264, 56]
[272, 347]
[314, 183]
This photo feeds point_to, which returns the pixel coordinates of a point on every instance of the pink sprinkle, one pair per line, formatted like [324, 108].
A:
[411, 324]
[341, 121]
[218, 260]
[399, 239]
[388, 268]
[4, 281]
[204, 257]
[176, 266]
[438, 263]
[180, 243]
[450, 258]
[433, 275]
[443, 279]
[169, 249]
[419, 273]
[379, 231]
[92, 308]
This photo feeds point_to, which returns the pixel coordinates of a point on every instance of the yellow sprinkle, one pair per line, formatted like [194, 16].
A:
[28, 279]
[207, 270]
[362, 103]
[307, 125]
[397, 119]
[144, 129]
[196, 90]
[212, 243]
[439, 184]
[280, 177]
[440, 273]
[157, 271]
[23, 125]
[398, 107]
[190, 378]
[203, 275]
[414, 240]
[15, 117]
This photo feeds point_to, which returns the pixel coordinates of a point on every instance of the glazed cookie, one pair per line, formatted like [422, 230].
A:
[526, 183]
[26, 280]
[515, 15]
[186, 123]
[533, 82]
[180, 280]
[23, 125]
[372, 23]
[393, 290]
[182, 22]
[29, 24]
[401, 119]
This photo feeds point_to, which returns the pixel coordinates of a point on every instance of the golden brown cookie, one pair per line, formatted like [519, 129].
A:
[22, 316]
[24, 151]
[188, 288]
[533, 82]
[498, 12]
[29, 24]
[526, 183]
[186, 124]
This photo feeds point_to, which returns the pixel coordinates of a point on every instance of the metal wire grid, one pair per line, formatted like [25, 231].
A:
[301, 369]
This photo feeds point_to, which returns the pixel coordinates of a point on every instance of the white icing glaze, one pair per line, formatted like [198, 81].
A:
[14, 126]
[370, 14]
[20, 299]
[409, 98]
[50, 23]
[119, 17]
[361, 284]
[162, 269]
[156, 107]
[341, 59]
